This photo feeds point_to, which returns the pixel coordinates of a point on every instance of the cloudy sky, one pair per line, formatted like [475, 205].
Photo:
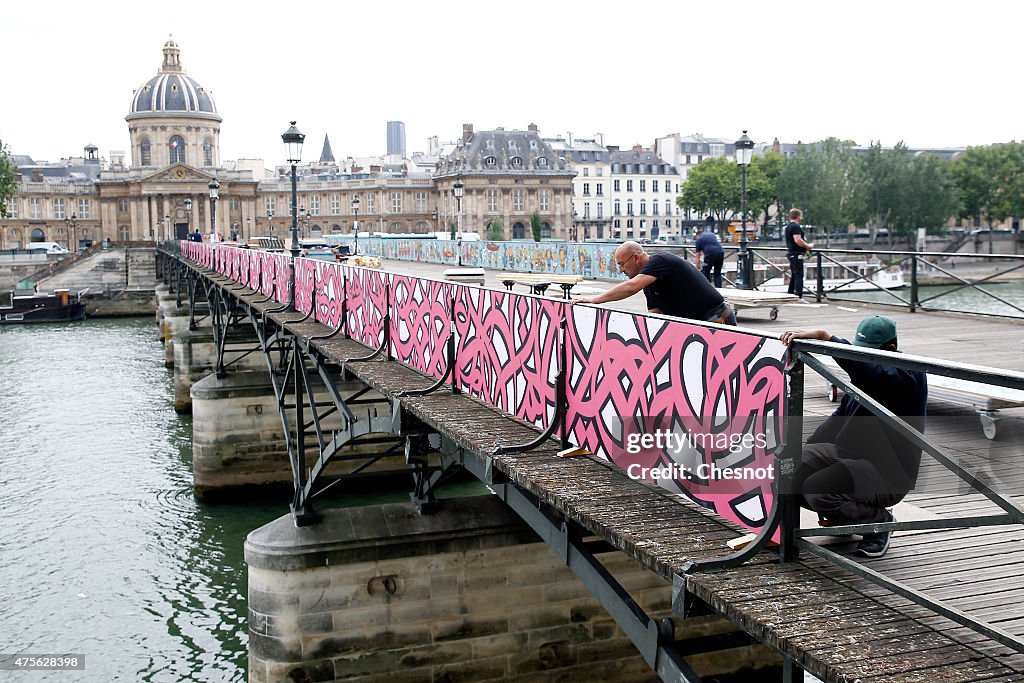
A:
[932, 74]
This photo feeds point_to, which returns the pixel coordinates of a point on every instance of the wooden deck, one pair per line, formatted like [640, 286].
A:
[837, 626]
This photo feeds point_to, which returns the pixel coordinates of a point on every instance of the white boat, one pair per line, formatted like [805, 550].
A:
[850, 276]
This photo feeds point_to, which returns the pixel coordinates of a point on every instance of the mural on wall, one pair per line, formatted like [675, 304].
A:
[629, 377]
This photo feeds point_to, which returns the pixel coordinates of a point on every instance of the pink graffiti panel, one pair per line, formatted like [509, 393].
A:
[330, 285]
[282, 276]
[304, 284]
[630, 375]
[367, 303]
[420, 323]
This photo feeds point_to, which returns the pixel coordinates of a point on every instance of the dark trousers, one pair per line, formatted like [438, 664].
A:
[796, 277]
[713, 262]
[840, 490]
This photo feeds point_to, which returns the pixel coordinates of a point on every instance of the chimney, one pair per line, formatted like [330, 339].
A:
[532, 128]
[639, 149]
[467, 132]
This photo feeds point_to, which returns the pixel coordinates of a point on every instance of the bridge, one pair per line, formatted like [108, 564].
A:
[548, 404]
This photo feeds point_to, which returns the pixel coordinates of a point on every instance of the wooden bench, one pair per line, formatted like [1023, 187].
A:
[538, 283]
[985, 399]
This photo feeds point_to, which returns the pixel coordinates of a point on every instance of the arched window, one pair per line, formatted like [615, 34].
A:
[176, 146]
[207, 152]
[545, 230]
[542, 162]
[516, 162]
[518, 231]
[37, 235]
[629, 207]
[145, 155]
[490, 161]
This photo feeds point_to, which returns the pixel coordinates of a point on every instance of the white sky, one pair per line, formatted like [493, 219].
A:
[933, 74]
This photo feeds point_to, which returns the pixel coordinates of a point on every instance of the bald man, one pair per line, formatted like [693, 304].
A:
[673, 286]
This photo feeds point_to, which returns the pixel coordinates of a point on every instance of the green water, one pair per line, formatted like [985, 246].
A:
[104, 551]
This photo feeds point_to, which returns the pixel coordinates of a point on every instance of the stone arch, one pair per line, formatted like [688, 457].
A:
[37, 235]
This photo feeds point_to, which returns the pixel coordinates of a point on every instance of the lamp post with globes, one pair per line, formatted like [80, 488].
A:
[355, 223]
[188, 215]
[459, 189]
[293, 140]
[214, 195]
[72, 223]
[744, 272]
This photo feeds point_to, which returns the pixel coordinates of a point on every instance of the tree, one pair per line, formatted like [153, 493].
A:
[715, 187]
[535, 225]
[7, 176]
[817, 179]
[767, 166]
[496, 230]
[991, 182]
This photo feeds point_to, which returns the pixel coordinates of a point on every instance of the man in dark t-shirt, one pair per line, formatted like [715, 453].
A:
[708, 246]
[796, 248]
[672, 285]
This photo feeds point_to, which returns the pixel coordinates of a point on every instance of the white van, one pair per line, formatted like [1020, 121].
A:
[48, 247]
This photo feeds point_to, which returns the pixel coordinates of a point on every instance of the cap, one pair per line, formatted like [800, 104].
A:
[875, 332]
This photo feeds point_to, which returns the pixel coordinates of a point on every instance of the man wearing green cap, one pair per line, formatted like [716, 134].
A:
[854, 467]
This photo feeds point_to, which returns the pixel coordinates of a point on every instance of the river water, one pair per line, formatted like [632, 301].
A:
[953, 298]
[104, 551]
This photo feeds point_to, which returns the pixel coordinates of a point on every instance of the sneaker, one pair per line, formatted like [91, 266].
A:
[876, 545]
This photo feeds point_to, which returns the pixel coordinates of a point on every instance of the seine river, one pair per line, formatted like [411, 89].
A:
[104, 551]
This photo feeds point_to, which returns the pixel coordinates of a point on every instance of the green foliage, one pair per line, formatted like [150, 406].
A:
[496, 230]
[535, 225]
[817, 180]
[715, 187]
[991, 182]
[765, 166]
[7, 176]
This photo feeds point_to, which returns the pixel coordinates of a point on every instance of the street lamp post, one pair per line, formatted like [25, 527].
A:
[744, 272]
[214, 194]
[355, 223]
[459, 189]
[293, 139]
[167, 227]
[72, 224]
[188, 215]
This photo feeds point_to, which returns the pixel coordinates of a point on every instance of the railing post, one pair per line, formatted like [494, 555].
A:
[914, 302]
[789, 496]
[819, 293]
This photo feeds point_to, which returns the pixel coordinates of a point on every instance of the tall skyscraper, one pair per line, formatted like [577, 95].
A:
[396, 138]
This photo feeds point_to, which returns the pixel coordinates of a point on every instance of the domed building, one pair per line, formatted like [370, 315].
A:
[173, 119]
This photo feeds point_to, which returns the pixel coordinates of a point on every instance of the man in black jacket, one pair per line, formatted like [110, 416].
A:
[796, 248]
[854, 467]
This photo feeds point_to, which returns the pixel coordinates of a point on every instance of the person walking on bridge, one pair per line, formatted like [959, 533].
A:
[672, 285]
[854, 467]
[707, 244]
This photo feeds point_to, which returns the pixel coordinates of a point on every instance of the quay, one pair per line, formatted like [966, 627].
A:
[943, 605]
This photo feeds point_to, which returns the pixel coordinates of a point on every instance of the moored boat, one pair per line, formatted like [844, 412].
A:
[60, 306]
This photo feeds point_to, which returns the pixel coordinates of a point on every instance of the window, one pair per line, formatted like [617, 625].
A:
[654, 186]
[176, 146]
[545, 231]
[517, 200]
[615, 186]
[122, 205]
[600, 209]
[542, 162]
[490, 161]
[58, 208]
[600, 171]
[545, 200]
[600, 189]
[516, 162]
[492, 200]
[668, 207]
[335, 204]
[84, 208]
[643, 186]
[618, 208]
[314, 205]
[369, 203]
[654, 208]
[124, 233]
[236, 203]
[207, 152]
[421, 202]
[586, 189]
[586, 171]
[586, 209]
[145, 154]
[12, 207]
[643, 207]
[629, 186]
[35, 208]
[268, 204]
[396, 202]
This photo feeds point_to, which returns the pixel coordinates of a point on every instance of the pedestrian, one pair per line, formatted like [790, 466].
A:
[854, 467]
[672, 285]
[195, 236]
[707, 244]
[796, 249]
